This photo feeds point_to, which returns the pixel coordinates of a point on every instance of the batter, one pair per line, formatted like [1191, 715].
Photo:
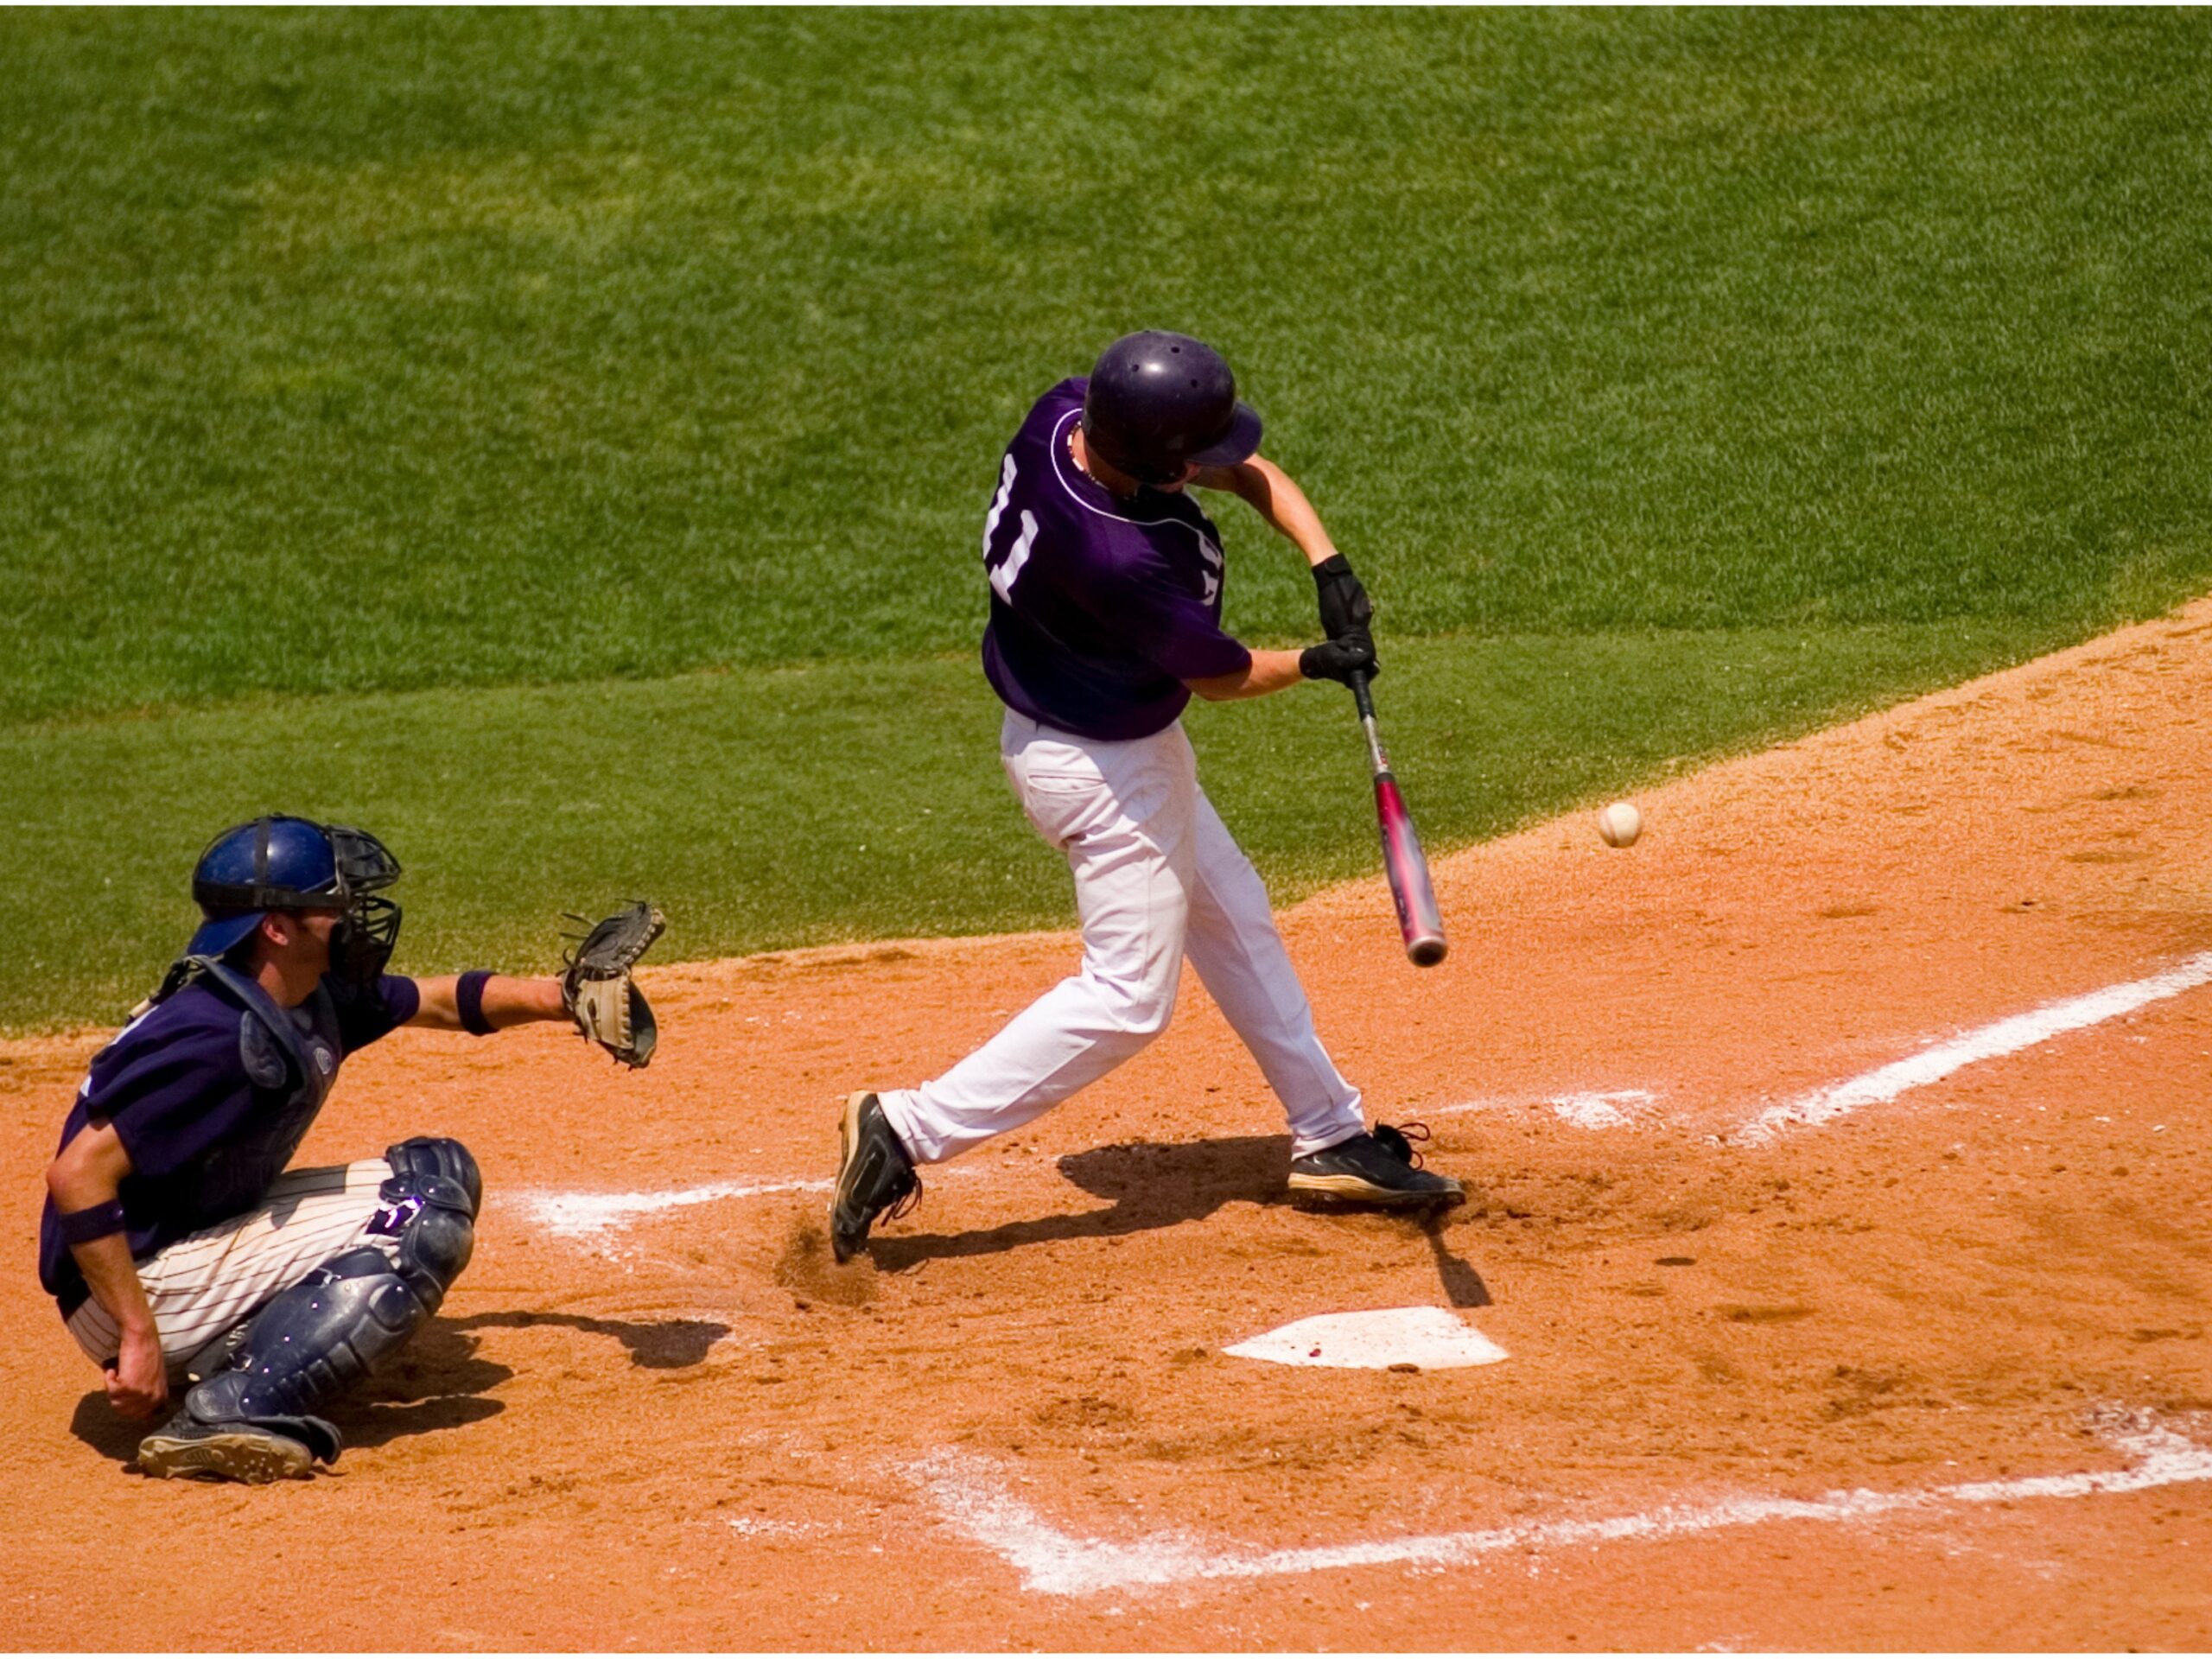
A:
[1105, 617]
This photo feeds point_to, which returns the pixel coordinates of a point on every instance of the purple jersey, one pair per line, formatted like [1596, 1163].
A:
[1101, 606]
[205, 1137]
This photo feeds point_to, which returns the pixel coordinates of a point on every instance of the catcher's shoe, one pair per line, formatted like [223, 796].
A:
[1381, 1168]
[229, 1451]
[875, 1178]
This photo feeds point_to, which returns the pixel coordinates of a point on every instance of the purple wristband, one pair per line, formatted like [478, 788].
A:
[469, 997]
[83, 1226]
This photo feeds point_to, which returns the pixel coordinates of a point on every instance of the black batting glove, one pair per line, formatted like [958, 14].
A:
[1340, 659]
[1346, 609]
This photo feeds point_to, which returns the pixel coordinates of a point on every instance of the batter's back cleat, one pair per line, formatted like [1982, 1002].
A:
[875, 1178]
[1380, 1167]
[256, 1454]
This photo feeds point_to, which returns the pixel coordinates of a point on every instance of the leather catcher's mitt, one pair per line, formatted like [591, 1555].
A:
[595, 985]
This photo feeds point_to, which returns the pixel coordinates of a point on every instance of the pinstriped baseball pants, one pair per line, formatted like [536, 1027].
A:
[206, 1282]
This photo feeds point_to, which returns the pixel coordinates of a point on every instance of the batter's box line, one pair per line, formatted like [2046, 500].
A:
[973, 1497]
[588, 1217]
[2007, 1036]
[1581, 1109]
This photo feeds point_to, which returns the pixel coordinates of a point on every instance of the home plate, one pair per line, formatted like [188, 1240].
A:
[1432, 1338]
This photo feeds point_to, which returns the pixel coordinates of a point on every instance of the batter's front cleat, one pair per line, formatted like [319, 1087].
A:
[875, 1178]
[1380, 1168]
[234, 1451]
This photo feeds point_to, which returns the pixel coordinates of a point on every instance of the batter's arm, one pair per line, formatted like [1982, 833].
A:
[84, 1177]
[507, 1002]
[1270, 670]
[1271, 492]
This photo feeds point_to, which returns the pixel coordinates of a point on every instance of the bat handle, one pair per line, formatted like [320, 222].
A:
[1364, 700]
[1362, 697]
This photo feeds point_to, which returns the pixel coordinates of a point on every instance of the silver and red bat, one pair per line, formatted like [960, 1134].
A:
[1418, 920]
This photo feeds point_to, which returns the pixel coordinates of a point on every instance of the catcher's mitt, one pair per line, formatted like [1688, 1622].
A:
[595, 985]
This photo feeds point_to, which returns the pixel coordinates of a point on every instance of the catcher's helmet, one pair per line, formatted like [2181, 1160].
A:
[284, 863]
[1158, 401]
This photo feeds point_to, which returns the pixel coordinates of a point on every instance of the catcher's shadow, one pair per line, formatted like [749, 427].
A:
[437, 1382]
[1149, 1185]
[657, 1345]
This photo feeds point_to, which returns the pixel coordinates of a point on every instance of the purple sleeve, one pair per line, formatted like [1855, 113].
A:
[173, 1096]
[1167, 622]
[376, 1011]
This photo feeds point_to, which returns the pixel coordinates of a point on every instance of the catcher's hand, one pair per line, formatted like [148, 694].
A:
[596, 987]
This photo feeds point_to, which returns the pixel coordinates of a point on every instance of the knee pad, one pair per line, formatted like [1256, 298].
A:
[430, 1208]
[435, 1156]
[313, 1342]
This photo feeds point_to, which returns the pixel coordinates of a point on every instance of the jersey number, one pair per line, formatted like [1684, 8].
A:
[1004, 571]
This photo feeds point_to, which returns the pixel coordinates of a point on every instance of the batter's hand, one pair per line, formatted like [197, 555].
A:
[137, 1380]
[1341, 660]
[1346, 609]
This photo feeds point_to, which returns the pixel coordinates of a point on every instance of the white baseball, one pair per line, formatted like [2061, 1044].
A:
[1620, 824]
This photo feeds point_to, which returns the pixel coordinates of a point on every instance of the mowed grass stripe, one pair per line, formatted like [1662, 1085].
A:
[780, 808]
[359, 350]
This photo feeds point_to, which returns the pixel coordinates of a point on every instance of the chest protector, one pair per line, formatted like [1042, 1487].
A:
[295, 1067]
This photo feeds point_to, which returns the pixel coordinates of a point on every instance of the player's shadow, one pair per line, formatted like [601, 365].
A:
[437, 1381]
[1150, 1186]
[658, 1346]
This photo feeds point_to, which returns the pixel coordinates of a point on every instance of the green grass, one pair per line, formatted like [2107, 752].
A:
[801, 806]
[364, 370]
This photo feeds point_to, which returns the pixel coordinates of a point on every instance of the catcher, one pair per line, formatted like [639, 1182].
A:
[187, 1261]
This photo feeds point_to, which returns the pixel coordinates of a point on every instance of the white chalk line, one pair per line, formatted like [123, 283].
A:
[586, 1216]
[1585, 1109]
[971, 1494]
[1613, 1110]
[1990, 1042]
[595, 1215]
[1619, 1109]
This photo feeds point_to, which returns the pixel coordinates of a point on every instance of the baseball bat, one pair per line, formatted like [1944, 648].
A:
[1418, 920]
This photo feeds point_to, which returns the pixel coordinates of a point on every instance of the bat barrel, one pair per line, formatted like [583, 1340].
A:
[1420, 922]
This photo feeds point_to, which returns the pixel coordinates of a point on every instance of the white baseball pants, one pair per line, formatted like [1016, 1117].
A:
[1157, 876]
[204, 1284]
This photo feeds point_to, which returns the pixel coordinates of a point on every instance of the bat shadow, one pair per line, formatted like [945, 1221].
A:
[1462, 1285]
[1148, 1185]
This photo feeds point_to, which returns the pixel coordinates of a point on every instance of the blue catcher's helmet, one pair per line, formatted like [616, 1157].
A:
[1158, 401]
[285, 863]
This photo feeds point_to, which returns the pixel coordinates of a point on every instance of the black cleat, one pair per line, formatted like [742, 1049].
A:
[252, 1452]
[1380, 1168]
[875, 1178]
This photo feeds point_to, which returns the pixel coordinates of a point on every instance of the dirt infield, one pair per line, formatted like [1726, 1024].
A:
[1844, 1210]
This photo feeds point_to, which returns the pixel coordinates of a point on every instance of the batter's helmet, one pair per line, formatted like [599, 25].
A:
[1158, 401]
[282, 863]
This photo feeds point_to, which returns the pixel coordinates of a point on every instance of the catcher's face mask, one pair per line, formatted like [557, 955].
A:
[361, 944]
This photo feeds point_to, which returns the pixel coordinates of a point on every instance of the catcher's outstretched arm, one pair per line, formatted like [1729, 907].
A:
[505, 1001]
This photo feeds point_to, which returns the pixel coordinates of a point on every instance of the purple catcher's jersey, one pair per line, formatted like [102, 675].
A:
[206, 1136]
[1101, 606]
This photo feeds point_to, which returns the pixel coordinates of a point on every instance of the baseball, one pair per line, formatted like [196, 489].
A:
[1620, 825]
